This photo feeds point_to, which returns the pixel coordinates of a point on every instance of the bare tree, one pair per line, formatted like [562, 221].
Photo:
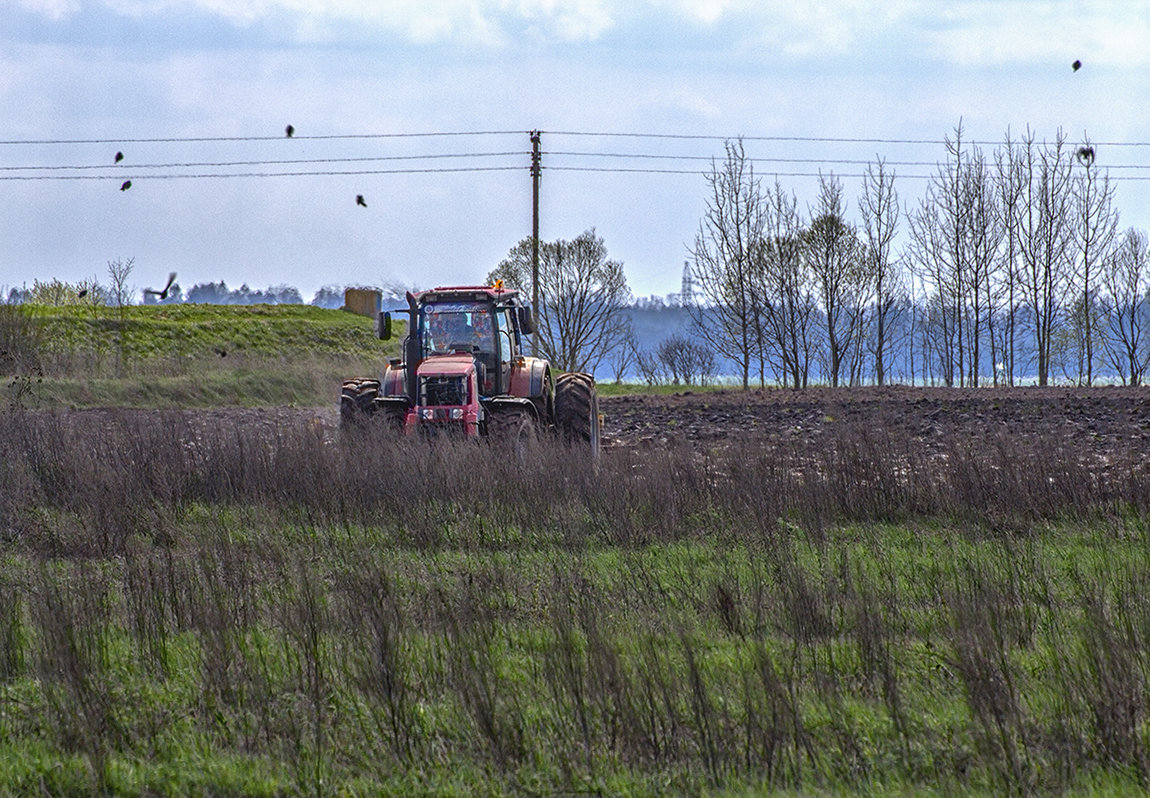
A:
[790, 308]
[938, 255]
[982, 233]
[1046, 237]
[651, 369]
[725, 251]
[582, 299]
[120, 293]
[1126, 281]
[956, 237]
[833, 254]
[1095, 228]
[687, 360]
[879, 209]
[1010, 180]
[624, 356]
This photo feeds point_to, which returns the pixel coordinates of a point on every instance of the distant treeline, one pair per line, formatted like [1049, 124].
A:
[56, 292]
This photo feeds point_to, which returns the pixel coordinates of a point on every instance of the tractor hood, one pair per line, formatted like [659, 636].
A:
[452, 365]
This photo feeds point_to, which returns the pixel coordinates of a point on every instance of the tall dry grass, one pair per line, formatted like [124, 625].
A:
[674, 620]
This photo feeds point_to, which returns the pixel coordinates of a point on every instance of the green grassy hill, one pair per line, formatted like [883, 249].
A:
[165, 331]
[195, 355]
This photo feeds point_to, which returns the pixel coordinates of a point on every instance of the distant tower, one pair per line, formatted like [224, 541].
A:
[687, 294]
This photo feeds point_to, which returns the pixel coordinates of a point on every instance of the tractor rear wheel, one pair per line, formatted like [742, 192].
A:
[357, 402]
[577, 409]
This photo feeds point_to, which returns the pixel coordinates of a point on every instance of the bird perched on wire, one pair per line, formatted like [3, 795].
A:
[127, 184]
[163, 293]
[359, 200]
[290, 131]
[1077, 65]
[119, 157]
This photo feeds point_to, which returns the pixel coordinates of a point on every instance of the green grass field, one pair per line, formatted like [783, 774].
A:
[254, 611]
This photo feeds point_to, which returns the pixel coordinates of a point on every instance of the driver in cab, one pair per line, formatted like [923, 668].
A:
[451, 331]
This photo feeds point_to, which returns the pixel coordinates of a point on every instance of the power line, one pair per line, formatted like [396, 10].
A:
[807, 139]
[844, 175]
[222, 175]
[712, 137]
[473, 155]
[840, 161]
[576, 133]
[460, 169]
[200, 139]
[285, 162]
[45, 171]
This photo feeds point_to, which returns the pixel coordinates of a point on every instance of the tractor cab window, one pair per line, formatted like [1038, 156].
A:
[447, 326]
[505, 333]
[501, 332]
[452, 326]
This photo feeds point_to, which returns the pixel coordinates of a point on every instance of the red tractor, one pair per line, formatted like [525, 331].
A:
[464, 373]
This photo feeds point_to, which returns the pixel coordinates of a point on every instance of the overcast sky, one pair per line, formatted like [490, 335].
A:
[197, 93]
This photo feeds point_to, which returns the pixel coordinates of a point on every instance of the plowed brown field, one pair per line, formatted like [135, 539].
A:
[1109, 427]
[1118, 416]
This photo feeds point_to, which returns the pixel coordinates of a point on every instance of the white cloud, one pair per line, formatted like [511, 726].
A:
[982, 33]
[52, 9]
[695, 103]
[568, 20]
[707, 12]
[962, 31]
[486, 22]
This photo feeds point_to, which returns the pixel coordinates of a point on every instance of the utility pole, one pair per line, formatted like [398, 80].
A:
[535, 158]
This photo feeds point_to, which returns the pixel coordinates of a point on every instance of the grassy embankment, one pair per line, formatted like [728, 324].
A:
[205, 356]
[197, 355]
[251, 610]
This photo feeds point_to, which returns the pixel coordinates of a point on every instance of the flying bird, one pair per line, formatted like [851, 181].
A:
[164, 293]
[119, 157]
[83, 293]
[290, 131]
[359, 200]
[127, 184]
[1085, 155]
[1077, 65]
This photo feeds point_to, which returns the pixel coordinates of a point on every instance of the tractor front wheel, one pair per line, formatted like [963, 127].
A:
[514, 428]
[393, 418]
[357, 402]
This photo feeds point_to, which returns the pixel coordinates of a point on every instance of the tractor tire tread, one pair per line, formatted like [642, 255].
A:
[577, 409]
[357, 401]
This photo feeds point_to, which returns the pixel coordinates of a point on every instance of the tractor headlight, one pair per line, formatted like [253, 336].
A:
[457, 414]
[428, 413]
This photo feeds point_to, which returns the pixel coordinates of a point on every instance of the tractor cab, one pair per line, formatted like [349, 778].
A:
[481, 329]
